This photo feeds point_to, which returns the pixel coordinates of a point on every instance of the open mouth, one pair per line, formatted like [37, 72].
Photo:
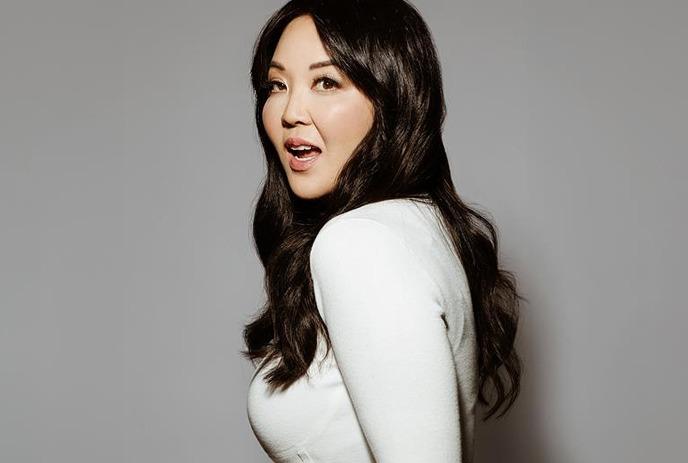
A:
[304, 153]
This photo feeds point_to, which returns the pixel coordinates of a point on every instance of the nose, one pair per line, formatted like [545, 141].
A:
[295, 112]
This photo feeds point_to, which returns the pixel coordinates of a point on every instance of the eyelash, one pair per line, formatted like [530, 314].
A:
[269, 85]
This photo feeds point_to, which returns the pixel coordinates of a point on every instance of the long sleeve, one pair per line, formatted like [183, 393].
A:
[384, 317]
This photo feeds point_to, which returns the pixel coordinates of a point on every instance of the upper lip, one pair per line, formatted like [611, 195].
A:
[297, 141]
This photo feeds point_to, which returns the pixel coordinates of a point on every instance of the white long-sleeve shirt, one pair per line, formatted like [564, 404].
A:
[402, 384]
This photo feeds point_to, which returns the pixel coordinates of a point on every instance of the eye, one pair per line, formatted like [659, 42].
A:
[269, 86]
[327, 81]
[328, 84]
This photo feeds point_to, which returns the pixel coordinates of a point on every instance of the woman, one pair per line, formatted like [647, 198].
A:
[387, 316]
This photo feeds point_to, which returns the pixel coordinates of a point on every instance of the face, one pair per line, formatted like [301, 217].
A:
[315, 103]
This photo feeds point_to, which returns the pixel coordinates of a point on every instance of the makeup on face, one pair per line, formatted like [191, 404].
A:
[314, 116]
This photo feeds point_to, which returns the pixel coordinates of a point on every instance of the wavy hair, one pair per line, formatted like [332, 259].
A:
[385, 48]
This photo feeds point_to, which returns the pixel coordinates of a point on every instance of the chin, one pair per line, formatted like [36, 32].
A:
[307, 190]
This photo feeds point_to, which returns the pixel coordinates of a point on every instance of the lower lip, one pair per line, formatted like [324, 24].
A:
[301, 165]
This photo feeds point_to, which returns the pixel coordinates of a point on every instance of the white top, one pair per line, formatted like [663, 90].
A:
[402, 384]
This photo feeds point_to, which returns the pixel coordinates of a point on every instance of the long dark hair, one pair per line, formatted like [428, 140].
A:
[385, 48]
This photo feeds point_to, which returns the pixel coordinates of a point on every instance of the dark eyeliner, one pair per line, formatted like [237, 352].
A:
[326, 77]
[268, 85]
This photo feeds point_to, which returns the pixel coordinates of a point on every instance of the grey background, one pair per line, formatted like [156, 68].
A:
[130, 165]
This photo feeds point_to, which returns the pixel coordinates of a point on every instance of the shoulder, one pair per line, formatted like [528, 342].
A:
[370, 244]
[387, 223]
[363, 237]
[366, 231]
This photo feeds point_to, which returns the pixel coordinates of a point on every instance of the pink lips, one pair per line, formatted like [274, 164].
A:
[296, 141]
[297, 164]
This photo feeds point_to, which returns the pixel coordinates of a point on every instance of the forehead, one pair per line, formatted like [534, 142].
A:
[299, 45]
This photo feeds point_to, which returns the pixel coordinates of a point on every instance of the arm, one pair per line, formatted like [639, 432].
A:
[384, 319]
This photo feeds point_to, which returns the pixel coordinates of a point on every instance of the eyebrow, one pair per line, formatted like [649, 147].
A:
[319, 64]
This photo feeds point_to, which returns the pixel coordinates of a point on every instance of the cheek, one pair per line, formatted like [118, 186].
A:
[343, 124]
[272, 122]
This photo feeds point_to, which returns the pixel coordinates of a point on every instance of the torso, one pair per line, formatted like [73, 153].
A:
[314, 420]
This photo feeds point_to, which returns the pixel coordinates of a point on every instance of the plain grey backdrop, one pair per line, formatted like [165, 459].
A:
[130, 165]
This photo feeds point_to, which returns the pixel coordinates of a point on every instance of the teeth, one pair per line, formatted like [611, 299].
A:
[302, 147]
[302, 156]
